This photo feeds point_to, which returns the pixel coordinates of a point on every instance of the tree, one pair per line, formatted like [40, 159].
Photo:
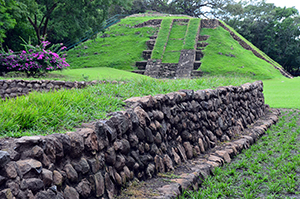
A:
[68, 19]
[195, 8]
[22, 29]
[274, 30]
[6, 19]
[58, 20]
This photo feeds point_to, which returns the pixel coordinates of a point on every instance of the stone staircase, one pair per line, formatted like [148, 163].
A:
[188, 65]
[141, 65]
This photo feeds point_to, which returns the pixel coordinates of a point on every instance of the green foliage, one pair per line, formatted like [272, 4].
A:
[54, 19]
[162, 39]
[7, 21]
[45, 113]
[272, 29]
[34, 60]
[225, 55]
[22, 29]
[268, 169]
[190, 39]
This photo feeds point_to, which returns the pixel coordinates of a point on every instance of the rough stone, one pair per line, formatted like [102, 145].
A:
[182, 152]
[168, 162]
[110, 187]
[47, 176]
[94, 164]
[4, 158]
[99, 182]
[150, 170]
[159, 164]
[26, 166]
[84, 188]
[34, 184]
[90, 139]
[45, 195]
[6, 194]
[77, 144]
[133, 139]
[57, 178]
[120, 162]
[189, 149]
[10, 170]
[70, 193]
[110, 156]
[176, 156]
[37, 152]
[72, 175]
[14, 187]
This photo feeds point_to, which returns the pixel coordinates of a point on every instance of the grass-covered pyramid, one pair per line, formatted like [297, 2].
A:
[164, 46]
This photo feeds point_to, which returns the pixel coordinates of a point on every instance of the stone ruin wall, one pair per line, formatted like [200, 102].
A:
[14, 88]
[152, 135]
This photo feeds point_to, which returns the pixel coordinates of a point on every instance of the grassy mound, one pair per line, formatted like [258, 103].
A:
[119, 47]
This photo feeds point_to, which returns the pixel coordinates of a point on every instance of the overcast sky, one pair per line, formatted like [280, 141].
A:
[286, 3]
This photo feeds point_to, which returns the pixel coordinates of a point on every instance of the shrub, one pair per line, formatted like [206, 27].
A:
[34, 60]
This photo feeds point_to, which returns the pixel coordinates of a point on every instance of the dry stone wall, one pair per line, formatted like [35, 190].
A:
[14, 88]
[152, 135]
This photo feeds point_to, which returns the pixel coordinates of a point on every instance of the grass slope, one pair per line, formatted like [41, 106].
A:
[225, 55]
[254, 47]
[175, 42]
[120, 50]
[189, 42]
[162, 39]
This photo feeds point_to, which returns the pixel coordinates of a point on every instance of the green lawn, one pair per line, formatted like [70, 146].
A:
[282, 92]
[83, 74]
[99, 73]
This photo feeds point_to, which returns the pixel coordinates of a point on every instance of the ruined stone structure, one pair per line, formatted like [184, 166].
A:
[188, 58]
[152, 135]
[14, 88]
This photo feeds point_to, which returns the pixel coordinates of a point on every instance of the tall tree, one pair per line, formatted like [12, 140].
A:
[67, 18]
[274, 30]
[7, 21]
[22, 29]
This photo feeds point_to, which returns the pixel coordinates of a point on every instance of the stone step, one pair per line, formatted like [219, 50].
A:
[199, 55]
[141, 72]
[141, 65]
[197, 65]
[196, 73]
[203, 37]
[202, 44]
[147, 54]
[150, 44]
[153, 37]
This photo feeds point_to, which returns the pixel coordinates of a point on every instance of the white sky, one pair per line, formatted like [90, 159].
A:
[286, 3]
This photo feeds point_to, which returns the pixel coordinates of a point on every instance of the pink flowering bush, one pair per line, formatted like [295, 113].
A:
[34, 60]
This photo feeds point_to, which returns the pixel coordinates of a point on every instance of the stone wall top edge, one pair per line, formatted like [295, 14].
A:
[184, 95]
